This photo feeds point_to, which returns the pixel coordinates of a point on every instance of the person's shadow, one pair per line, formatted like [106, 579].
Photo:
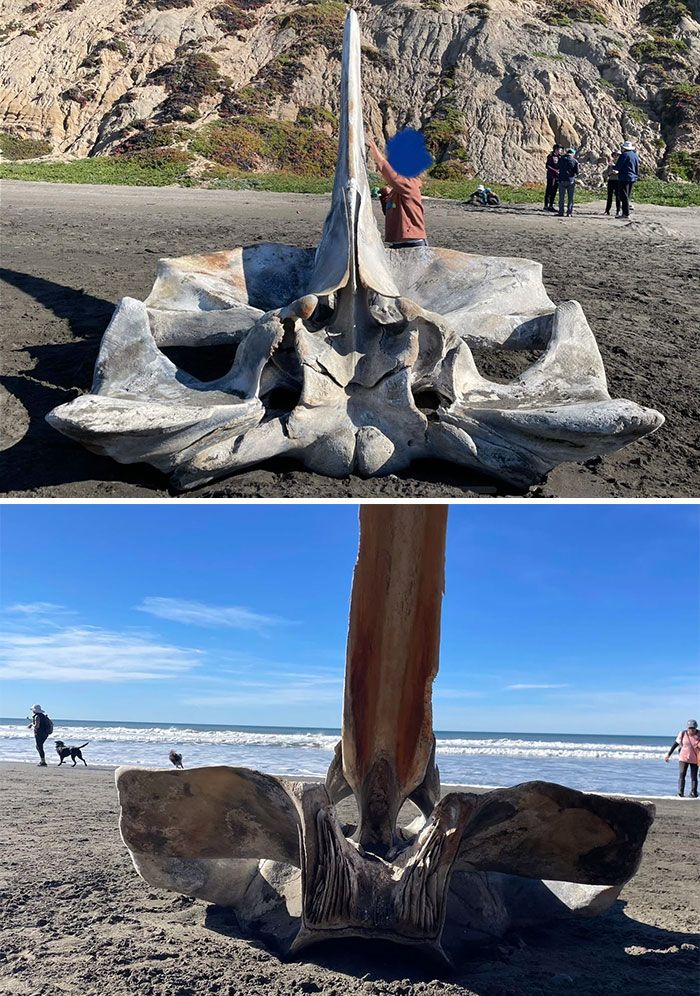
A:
[606, 954]
[61, 371]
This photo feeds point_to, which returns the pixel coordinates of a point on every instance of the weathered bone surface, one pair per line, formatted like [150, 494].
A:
[468, 868]
[350, 358]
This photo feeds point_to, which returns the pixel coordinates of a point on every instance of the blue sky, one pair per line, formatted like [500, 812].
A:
[557, 618]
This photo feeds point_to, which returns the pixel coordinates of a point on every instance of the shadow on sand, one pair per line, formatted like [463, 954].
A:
[61, 371]
[609, 954]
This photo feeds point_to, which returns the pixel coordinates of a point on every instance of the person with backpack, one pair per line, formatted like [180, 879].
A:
[689, 742]
[627, 167]
[568, 171]
[43, 728]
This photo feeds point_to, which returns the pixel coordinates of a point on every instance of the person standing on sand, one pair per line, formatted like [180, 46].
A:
[552, 177]
[627, 167]
[568, 171]
[402, 202]
[610, 174]
[689, 742]
[43, 728]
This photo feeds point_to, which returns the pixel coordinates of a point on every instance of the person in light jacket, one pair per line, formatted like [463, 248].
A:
[627, 167]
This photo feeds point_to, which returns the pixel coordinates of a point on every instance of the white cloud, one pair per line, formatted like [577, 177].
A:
[200, 614]
[276, 688]
[87, 653]
[517, 688]
[36, 609]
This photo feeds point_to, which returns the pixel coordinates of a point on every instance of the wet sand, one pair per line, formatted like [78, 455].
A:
[79, 921]
[70, 252]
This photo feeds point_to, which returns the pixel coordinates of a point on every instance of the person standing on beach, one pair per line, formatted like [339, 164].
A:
[627, 167]
[43, 728]
[568, 171]
[689, 742]
[611, 176]
[402, 203]
[552, 177]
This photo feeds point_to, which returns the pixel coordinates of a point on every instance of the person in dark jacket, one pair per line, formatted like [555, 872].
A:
[610, 175]
[552, 177]
[41, 727]
[627, 167]
[568, 171]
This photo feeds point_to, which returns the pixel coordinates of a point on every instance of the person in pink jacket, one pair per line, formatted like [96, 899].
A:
[689, 742]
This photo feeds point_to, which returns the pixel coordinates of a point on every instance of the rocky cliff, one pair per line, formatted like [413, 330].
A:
[254, 84]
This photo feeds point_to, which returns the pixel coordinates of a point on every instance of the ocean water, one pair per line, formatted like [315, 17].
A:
[596, 763]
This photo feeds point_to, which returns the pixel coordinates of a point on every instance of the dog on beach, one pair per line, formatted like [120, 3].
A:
[176, 759]
[73, 752]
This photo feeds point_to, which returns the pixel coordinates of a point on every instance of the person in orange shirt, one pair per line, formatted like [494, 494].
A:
[402, 202]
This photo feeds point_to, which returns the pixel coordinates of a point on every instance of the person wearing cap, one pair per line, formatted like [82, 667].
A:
[552, 165]
[42, 727]
[402, 203]
[689, 742]
[627, 167]
[568, 171]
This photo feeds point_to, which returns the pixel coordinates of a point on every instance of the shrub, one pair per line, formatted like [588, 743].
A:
[318, 116]
[72, 4]
[681, 104]
[563, 12]
[660, 51]
[152, 138]
[665, 15]
[79, 95]
[231, 17]
[251, 142]
[8, 28]
[686, 165]
[174, 162]
[445, 128]
[435, 5]
[188, 79]
[320, 23]
[478, 9]
[451, 169]
[14, 147]
[32, 8]
[377, 57]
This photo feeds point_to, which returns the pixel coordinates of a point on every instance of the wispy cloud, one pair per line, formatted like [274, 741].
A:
[518, 688]
[88, 653]
[36, 609]
[200, 614]
[276, 688]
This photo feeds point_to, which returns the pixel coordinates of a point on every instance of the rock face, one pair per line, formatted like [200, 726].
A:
[493, 83]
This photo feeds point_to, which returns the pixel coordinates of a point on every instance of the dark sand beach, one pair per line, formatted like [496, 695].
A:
[79, 921]
[70, 252]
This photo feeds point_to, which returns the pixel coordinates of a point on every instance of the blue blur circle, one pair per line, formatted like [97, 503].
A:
[407, 153]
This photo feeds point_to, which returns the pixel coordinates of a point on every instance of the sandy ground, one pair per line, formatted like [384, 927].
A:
[70, 252]
[78, 920]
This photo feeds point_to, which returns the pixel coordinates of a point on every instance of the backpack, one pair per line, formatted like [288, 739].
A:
[45, 725]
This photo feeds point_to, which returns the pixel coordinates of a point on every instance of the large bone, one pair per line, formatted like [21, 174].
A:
[392, 659]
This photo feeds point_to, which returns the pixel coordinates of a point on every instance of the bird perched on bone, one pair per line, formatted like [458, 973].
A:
[176, 759]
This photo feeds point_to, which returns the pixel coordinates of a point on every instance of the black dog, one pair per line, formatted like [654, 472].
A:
[176, 758]
[72, 752]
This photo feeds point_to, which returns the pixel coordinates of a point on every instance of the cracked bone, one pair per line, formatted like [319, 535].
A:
[389, 329]
[466, 869]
